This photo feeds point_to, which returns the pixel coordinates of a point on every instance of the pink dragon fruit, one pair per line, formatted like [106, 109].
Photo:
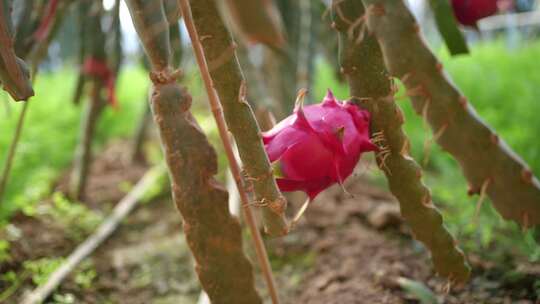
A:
[318, 145]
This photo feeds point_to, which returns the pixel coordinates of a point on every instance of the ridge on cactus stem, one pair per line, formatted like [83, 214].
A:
[318, 145]
[468, 12]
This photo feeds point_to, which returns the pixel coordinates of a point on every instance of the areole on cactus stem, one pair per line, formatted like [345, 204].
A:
[318, 145]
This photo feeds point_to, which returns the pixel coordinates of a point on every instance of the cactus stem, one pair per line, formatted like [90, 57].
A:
[376, 90]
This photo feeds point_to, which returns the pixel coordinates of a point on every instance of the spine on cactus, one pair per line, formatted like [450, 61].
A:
[371, 88]
[229, 83]
[489, 165]
[14, 74]
[226, 276]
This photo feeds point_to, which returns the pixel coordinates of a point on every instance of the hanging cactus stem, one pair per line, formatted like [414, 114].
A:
[226, 90]
[371, 88]
[479, 151]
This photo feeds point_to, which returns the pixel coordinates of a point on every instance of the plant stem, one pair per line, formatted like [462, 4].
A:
[83, 152]
[140, 133]
[484, 157]
[14, 74]
[363, 66]
[213, 234]
[226, 87]
[12, 149]
[235, 168]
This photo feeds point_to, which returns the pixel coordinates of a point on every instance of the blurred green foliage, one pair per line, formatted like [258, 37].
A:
[504, 87]
[77, 219]
[50, 133]
[41, 269]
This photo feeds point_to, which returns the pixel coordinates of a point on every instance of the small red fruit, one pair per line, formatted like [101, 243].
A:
[318, 145]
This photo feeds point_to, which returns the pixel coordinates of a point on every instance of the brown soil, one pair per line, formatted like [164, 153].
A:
[345, 250]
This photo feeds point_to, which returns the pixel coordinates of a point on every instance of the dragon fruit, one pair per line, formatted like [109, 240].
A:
[318, 145]
[468, 12]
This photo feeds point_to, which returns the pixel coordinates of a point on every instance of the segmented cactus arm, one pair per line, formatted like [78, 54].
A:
[213, 235]
[229, 83]
[362, 63]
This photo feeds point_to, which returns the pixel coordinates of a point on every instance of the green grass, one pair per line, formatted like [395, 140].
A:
[50, 133]
[503, 85]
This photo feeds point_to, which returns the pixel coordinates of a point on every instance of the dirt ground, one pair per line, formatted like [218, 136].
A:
[345, 250]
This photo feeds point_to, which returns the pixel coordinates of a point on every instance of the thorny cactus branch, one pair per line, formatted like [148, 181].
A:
[486, 160]
[370, 86]
[14, 74]
[228, 82]
[213, 235]
[226, 275]
[153, 29]
[214, 100]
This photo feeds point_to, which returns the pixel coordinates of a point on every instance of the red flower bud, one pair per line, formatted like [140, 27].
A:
[318, 145]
